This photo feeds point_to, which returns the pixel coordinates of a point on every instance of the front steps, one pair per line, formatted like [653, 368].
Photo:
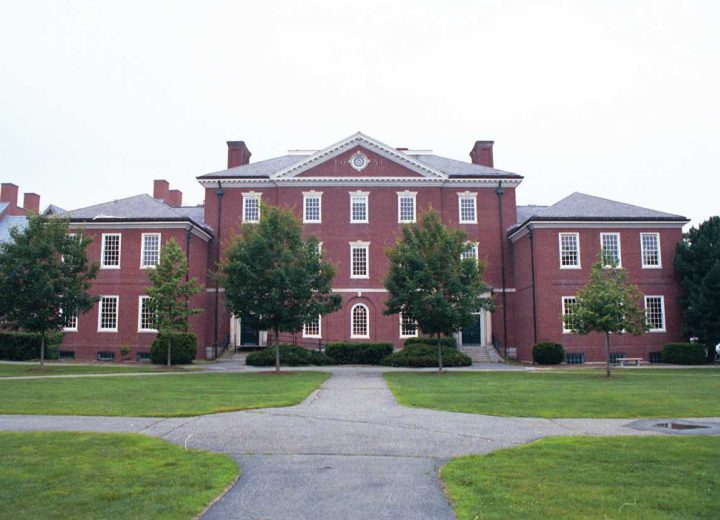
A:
[482, 355]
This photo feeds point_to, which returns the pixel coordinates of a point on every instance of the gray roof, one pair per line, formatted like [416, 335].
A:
[455, 168]
[525, 212]
[9, 222]
[52, 209]
[258, 169]
[196, 213]
[3, 206]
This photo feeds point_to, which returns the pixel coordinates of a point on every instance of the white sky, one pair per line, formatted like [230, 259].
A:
[618, 99]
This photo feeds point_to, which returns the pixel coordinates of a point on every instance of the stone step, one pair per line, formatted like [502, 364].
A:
[482, 354]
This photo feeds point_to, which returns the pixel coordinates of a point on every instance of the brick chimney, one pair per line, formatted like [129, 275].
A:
[174, 198]
[161, 187]
[31, 202]
[9, 193]
[238, 154]
[482, 153]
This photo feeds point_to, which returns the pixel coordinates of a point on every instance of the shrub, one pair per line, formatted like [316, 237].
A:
[358, 353]
[445, 341]
[290, 355]
[25, 346]
[684, 354]
[548, 353]
[182, 352]
[419, 355]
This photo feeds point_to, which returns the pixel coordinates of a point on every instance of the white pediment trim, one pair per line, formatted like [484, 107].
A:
[359, 139]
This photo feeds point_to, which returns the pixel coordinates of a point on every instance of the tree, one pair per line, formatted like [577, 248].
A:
[170, 292]
[607, 304]
[275, 278]
[44, 277]
[697, 264]
[430, 282]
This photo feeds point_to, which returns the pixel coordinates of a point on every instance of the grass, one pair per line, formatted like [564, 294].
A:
[583, 393]
[580, 477]
[89, 475]
[50, 369]
[156, 396]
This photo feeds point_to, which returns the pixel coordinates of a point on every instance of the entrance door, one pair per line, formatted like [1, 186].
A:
[249, 335]
[472, 334]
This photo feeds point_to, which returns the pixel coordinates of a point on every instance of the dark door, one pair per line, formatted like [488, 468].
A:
[249, 334]
[472, 335]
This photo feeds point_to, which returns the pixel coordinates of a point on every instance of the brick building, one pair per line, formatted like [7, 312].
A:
[355, 195]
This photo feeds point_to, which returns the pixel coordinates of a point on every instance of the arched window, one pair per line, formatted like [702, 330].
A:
[359, 322]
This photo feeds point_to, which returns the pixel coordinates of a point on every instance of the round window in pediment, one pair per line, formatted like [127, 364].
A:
[359, 161]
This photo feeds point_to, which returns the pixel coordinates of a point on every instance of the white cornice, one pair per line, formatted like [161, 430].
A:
[402, 182]
[117, 225]
[597, 224]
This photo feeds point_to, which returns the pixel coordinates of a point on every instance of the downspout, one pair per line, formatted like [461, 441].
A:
[219, 194]
[531, 232]
[500, 191]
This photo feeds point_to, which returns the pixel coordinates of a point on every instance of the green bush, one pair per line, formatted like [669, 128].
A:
[419, 355]
[290, 355]
[548, 353]
[25, 346]
[684, 354]
[445, 341]
[182, 351]
[358, 353]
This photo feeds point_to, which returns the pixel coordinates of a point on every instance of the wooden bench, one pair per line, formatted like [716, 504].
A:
[623, 361]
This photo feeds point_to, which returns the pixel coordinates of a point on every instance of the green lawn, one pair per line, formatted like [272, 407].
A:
[578, 393]
[156, 396]
[51, 369]
[89, 475]
[580, 477]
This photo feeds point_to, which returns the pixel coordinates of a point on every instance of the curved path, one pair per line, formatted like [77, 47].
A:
[348, 451]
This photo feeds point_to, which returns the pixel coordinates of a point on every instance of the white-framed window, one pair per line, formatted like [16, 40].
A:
[110, 254]
[568, 304]
[359, 321]
[406, 206]
[71, 323]
[610, 249]
[650, 250]
[471, 251]
[467, 206]
[313, 329]
[146, 317]
[359, 260]
[408, 327]
[359, 207]
[108, 314]
[312, 207]
[569, 250]
[150, 250]
[655, 313]
[251, 206]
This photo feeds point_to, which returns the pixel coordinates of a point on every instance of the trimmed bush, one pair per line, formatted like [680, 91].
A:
[358, 353]
[419, 355]
[290, 355]
[182, 352]
[25, 346]
[684, 354]
[548, 353]
[445, 341]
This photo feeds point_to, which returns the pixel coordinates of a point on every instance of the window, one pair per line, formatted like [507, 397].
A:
[471, 251]
[146, 316]
[656, 357]
[467, 205]
[655, 313]
[569, 251]
[312, 207]
[142, 357]
[359, 267]
[574, 358]
[568, 302]
[406, 206]
[107, 314]
[614, 356]
[311, 329]
[251, 206]
[71, 323]
[358, 207]
[150, 252]
[650, 250]
[106, 356]
[610, 248]
[66, 354]
[408, 327]
[359, 324]
[110, 255]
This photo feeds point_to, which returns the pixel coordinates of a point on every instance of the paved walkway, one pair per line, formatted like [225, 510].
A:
[348, 451]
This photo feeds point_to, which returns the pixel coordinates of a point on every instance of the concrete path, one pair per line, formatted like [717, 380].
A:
[348, 451]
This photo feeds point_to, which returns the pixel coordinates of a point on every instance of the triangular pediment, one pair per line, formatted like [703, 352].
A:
[350, 150]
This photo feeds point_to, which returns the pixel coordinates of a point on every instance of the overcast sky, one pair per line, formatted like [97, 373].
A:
[615, 99]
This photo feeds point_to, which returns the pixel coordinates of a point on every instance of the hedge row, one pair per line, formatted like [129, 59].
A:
[290, 355]
[358, 353]
[445, 341]
[684, 354]
[548, 353]
[25, 346]
[419, 355]
[183, 348]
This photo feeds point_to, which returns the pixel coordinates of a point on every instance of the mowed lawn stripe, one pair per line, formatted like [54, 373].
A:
[154, 396]
[35, 370]
[583, 393]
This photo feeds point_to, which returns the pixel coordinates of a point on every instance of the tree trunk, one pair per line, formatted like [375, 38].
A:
[277, 350]
[169, 350]
[439, 351]
[42, 349]
[607, 352]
